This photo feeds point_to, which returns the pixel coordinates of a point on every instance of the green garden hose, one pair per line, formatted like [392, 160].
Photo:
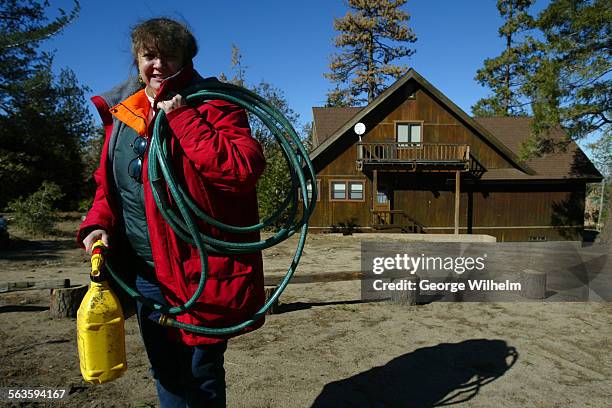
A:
[183, 222]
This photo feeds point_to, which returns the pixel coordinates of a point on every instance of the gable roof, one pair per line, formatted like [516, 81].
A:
[505, 134]
[413, 75]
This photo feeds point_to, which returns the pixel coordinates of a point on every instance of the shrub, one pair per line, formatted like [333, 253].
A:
[85, 204]
[347, 227]
[35, 213]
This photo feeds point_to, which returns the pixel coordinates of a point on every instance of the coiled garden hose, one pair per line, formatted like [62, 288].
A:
[183, 222]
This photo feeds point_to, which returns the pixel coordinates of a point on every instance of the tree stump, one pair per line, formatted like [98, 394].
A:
[406, 296]
[269, 291]
[533, 284]
[65, 302]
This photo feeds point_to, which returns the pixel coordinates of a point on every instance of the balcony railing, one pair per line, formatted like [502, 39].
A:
[426, 153]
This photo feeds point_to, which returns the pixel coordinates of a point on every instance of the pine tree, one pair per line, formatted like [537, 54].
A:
[506, 74]
[23, 26]
[372, 35]
[601, 155]
[43, 117]
[571, 82]
[560, 76]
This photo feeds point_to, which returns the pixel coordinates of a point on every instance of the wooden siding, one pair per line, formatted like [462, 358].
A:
[328, 213]
[513, 207]
[508, 212]
[438, 126]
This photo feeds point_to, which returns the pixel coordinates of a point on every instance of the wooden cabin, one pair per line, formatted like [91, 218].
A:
[424, 166]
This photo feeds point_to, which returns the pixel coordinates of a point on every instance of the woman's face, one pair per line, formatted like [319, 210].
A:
[155, 67]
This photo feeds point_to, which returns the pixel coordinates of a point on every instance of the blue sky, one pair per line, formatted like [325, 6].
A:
[286, 43]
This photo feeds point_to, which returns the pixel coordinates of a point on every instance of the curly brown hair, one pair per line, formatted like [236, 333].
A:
[166, 36]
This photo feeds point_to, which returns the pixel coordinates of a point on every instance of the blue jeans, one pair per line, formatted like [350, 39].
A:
[185, 376]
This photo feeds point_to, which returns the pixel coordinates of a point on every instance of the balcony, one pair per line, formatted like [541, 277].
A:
[413, 156]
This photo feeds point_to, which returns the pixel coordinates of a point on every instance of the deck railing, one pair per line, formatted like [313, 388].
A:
[391, 152]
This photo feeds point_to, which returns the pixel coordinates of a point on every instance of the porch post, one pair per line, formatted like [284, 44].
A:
[374, 196]
[457, 197]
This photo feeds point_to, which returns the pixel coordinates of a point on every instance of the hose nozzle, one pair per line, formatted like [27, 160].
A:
[164, 320]
[98, 252]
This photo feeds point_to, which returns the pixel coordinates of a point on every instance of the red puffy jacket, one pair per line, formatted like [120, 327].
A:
[219, 163]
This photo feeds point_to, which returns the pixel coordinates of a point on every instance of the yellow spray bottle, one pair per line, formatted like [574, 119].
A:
[100, 326]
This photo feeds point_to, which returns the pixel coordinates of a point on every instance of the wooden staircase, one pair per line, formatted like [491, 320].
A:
[395, 219]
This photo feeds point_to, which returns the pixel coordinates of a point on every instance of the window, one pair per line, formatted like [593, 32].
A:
[309, 190]
[347, 190]
[355, 190]
[338, 190]
[408, 133]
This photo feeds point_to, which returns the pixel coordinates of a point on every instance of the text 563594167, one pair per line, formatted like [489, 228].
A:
[32, 394]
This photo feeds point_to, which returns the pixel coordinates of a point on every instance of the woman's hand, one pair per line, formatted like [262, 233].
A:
[93, 237]
[171, 104]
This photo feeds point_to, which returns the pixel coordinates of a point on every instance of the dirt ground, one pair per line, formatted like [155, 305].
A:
[327, 347]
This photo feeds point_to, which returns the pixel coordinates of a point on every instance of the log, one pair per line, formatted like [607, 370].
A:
[338, 276]
[65, 302]
[269, 291]
[533, 284]
[406, 297]
[33, 285]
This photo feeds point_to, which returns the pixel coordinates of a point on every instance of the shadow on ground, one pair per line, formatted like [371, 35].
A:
[22, 308]
[25, 250]
[295, 306]
[446, 374]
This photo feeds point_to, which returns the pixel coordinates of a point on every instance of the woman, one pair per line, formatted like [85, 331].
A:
[215, 158]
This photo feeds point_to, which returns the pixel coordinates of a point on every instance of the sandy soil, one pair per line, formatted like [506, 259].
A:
[327, 348]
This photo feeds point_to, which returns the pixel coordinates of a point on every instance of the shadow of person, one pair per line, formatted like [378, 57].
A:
[445, 374]
[295, 306]
[22, 308]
